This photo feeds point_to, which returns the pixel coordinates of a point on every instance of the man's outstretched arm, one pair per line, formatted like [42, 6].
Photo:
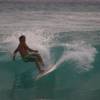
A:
[14, 53]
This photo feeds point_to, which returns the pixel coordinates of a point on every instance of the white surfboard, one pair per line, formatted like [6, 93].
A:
[47, 71]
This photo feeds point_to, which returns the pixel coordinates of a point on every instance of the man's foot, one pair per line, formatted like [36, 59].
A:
[42, 71]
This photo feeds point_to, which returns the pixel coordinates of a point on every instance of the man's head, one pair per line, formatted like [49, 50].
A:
[22, 38]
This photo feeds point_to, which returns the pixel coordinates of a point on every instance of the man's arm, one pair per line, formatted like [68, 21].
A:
[14, 54]
[31, 50]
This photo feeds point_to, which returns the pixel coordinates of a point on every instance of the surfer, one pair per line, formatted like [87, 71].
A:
[28, 55]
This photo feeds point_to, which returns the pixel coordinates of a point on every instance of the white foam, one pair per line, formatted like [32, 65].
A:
[81, 54]
[34, 39]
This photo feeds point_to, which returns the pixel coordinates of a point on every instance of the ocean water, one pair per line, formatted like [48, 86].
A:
[67, 35]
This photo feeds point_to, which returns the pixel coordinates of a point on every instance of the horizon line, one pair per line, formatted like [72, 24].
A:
[78, 2]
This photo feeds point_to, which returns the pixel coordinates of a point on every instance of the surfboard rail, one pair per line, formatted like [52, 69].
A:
[47, 71]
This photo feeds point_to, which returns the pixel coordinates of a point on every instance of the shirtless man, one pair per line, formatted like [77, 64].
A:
[28, 55]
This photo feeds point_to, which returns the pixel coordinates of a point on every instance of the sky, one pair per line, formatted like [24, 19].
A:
[90, 1]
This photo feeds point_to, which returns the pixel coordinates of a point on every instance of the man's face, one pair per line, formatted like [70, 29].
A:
[22, 39]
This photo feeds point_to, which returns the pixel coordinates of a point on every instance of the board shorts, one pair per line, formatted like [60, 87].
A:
[30, 57]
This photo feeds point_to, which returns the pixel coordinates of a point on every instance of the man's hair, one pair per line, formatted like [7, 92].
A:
[22, 38]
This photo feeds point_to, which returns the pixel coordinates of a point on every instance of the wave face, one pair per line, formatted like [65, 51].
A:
[64, 36]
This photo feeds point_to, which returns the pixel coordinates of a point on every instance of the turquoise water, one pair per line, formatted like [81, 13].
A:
[67, 35]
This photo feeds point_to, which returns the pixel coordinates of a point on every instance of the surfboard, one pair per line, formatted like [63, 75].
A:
[47, 71]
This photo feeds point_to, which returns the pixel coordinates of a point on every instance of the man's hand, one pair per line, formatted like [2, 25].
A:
[14, 57]
[36, 51]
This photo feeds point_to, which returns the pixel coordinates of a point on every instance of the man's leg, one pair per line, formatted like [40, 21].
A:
[39, 62]
[38, 59]
[40, 68]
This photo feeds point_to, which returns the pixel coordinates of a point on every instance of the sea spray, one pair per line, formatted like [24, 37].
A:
[81, 54]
